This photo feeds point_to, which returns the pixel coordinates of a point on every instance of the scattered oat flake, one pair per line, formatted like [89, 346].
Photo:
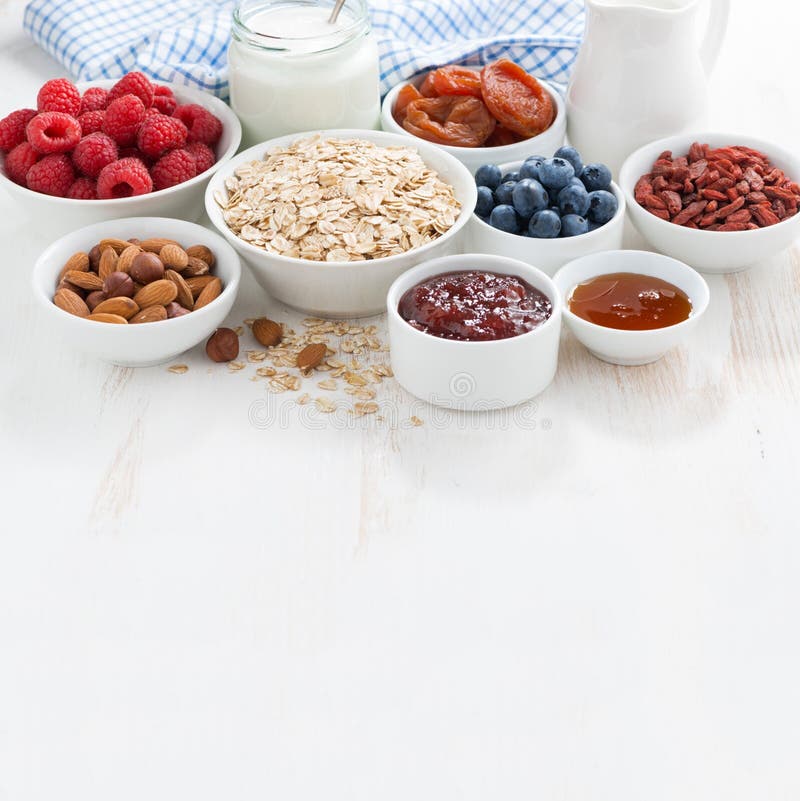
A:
[239, 330]
[235, 366]
[324, 405]
[256, 355]
[367, 407]
[415, 421]
[328, 384]
[266, 372]
[303, 399]
[178, 368]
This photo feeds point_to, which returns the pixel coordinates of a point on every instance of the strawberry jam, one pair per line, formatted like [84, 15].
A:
[474, 306]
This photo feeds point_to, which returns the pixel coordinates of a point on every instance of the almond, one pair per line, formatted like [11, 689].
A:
[124, 307]
[77, 261]
[184, 296]
[90, 281]
[126, 258]
[173, 256]
[108, 263]
[267, 332]
[107, 318]
[311, 355]
[157, 293]
[211, 291]
[198, 282]
[203, 253]
[152, 314]
[155, 244]
[68, 301]
[194, 267]
[117, 245]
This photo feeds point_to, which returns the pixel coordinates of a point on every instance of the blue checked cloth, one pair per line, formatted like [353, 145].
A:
[186, 41]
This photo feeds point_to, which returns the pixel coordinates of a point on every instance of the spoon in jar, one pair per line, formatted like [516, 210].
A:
[335, 13]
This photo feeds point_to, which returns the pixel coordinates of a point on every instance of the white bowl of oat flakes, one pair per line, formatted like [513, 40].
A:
[327, 220]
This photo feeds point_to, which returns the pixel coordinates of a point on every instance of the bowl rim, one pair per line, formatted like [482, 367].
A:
[519, 267]
[387, 107]
[40, 268]
[650, 333]
[257, 153]
[628, 182]
[559, 240]
[193, 96]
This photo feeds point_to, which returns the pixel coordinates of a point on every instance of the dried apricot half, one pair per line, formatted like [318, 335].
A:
[457, 120]
[455, 80]
[405, 96]
[516, 100]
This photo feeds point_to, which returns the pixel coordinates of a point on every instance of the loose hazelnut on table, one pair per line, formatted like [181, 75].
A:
[223, 345]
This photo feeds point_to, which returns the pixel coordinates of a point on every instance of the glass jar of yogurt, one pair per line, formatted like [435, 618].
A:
[291, 70]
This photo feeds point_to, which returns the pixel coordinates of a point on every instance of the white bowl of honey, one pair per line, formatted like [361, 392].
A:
[631, 306]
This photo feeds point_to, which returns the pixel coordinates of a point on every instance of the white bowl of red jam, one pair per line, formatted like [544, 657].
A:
[474, 332]
[630, 307]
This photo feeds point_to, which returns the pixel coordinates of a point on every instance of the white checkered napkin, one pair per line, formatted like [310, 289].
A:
[186, 41]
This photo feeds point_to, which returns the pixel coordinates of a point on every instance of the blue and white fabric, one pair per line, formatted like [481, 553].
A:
[186, 41]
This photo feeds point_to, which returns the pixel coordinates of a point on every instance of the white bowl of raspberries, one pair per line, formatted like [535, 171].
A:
[114, 148]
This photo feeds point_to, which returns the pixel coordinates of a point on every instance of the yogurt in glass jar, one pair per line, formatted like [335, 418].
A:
[291, 70]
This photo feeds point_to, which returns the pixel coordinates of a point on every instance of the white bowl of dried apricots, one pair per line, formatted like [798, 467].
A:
[137, 291]
[487, 115]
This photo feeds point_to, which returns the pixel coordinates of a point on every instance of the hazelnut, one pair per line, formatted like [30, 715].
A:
[95, 298]
[118, 285]
[146, 268]
[223, 345]
[94, 258]
[176, 310]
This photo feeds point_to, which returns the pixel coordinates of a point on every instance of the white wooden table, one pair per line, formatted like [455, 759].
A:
[596, 601]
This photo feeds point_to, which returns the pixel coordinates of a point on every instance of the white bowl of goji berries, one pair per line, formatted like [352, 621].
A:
[37, 180]
[720, 202]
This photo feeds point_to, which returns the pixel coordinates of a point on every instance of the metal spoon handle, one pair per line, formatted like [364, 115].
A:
[335, 13]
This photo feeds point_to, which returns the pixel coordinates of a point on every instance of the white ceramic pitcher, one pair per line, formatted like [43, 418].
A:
[641, 74]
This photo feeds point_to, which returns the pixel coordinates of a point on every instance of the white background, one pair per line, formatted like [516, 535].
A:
[602, 607]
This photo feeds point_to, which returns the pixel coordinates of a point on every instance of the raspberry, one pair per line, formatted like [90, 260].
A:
[19, 161]
[53, 175]
[83, 189]
[123, 178]
[94, 99]
[134, 83]
[203, 156]
[202, 124]
[123, 118]
[12, 128]
[135, 153]
[93, 152]
[53, 132]
[60, 94]
[91, 121]
[159, 134]
[174, 168]
[164, 101]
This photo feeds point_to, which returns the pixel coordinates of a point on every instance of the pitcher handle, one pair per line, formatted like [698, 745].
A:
[715, 33]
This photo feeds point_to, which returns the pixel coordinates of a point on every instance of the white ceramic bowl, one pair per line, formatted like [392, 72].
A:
[146, 343]
[544, 144]
[474, 376]
[184, 201]
[709, 251]
[546, 254]
[631, 347]
[343, 289]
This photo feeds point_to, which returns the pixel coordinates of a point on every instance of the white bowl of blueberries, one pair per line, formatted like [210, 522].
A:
[547, 211]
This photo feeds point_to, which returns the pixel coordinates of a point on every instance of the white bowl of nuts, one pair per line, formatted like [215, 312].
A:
[328, 220]
[137, 291]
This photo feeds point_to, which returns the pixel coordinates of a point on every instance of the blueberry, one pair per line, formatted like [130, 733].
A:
[488, 175]
[553, 195]
[596, 176]
[530, 167]
[485, 204]
[511, 176]
[572, 156]
[602, 206]
[575, 181]
[529, 196]
[593, 226]
[545, 225]
[573, 200]
[504, 218]
[555, 173]
[573, 225]
[502, 195]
